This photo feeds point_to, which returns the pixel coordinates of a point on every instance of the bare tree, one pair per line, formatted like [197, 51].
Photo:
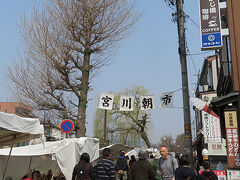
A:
[65, 44]
[179, 144]
[167, 140]
[174, 145]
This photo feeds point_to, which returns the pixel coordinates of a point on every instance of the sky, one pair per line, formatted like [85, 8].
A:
[148, 57]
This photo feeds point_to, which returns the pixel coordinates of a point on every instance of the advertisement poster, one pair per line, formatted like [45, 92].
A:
[232, 139]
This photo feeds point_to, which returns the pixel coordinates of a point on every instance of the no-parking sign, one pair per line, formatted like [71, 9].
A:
[66, 126]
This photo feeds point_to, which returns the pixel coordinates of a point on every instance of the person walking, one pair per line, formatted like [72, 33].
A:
[133, 159]
[105, 169]
[196, 164]
[167, 164]
[83, 170]
[122, 167]
[184, 172]
[141, 169]
[153, 160]
[207, 173]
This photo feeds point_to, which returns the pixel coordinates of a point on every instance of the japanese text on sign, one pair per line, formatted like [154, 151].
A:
[146, 102]
[166, 99]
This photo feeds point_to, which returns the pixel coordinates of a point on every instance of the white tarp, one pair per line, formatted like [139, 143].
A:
[135, 152]
[67, 153]
[22, 128]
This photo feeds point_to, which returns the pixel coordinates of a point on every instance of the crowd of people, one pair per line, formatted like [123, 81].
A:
[166, 167]
[147, 167]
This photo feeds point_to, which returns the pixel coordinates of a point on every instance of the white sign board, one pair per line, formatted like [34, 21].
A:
[147, 102]
[217, 149]
[211, 128]
[126, 103]
[166, 100]
[106, 101]
[233, 174]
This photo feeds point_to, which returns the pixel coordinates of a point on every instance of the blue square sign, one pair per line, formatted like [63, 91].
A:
[213, 40]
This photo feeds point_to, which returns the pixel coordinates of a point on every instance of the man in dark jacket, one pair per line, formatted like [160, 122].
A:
[184, 171]
[105, 169]
[141, 169]
[122, 167]
[207, 173]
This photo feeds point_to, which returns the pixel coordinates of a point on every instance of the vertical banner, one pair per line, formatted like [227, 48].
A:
[166, 100]
[146, 102]
[106, 101]
[210, 24]
[126, 103]
[211, 128]
[232, 139]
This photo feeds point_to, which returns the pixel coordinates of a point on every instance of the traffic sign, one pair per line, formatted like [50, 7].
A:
[66, 126]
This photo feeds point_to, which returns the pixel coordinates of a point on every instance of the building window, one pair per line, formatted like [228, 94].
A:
[5, 110]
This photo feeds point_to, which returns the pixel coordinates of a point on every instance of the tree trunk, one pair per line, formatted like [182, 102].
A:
[81, 118]
[145, 138]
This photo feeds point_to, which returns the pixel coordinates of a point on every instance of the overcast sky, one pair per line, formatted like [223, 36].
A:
[149, 58]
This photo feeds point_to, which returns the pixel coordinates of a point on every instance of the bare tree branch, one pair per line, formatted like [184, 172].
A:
[66, 43]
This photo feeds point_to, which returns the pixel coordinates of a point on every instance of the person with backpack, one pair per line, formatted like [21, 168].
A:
[105, 169]
[184, 172]
[83, 170]
[142, 169]
[167, 164]
[207, 174]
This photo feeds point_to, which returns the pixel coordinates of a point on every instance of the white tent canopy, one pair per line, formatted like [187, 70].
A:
[135, 151]
[22, 128]
[67, 153]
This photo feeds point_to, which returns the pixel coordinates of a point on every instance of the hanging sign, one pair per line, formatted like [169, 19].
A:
[146, 102]
[232, 139]
[166, 100]
[106, 101]
[210, 23]
[211, 128]
[126, 103]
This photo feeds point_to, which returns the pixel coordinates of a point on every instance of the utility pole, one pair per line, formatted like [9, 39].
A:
[185, 91]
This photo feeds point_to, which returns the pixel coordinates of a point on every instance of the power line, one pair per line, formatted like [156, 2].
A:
[187, 16]
[188, 51]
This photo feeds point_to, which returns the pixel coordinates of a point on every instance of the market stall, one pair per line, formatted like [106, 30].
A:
[56, 155]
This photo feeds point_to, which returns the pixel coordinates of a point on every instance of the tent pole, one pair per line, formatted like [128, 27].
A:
[30, 162]
[4, 172]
